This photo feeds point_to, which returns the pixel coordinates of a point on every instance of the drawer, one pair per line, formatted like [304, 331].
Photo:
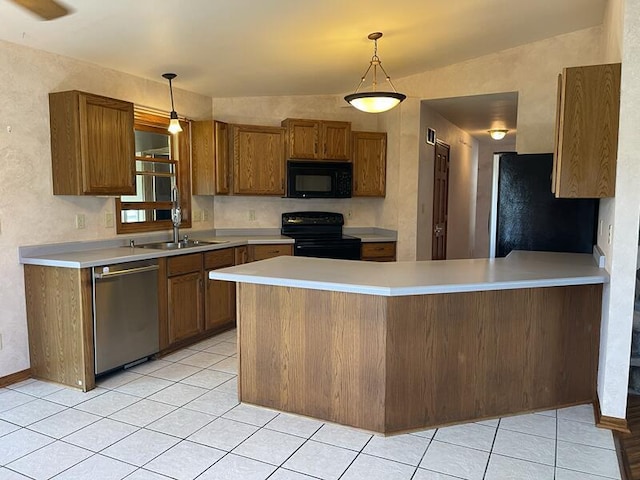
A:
[184, 264]
[219, 259]
[262, 252]
[378, 250]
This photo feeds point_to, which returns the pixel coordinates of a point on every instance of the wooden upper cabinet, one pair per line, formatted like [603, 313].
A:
[317, 139]
[258, 160]
[369, 151]
[336, 140]
[210, 158]
[92, 144]
[587, 132]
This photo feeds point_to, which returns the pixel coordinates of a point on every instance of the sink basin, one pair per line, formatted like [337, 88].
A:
[181, 244]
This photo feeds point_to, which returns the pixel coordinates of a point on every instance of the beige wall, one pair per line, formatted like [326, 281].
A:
[463, 169]
[622, 41]
[29, 213]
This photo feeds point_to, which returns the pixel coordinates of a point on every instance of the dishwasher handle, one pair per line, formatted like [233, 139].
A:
[128, 271]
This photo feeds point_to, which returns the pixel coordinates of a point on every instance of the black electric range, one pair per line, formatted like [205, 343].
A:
[319, 234]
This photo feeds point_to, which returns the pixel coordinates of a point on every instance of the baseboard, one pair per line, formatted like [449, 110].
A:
[15, 377]
[611, 423]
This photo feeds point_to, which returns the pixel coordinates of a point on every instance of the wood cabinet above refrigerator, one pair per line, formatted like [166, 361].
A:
[586, 144]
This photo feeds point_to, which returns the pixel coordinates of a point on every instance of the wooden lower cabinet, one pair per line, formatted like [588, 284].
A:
[193, 306]
[379, 251]
[185, 299]
[60, 322]
[220, 296]
[262, 252]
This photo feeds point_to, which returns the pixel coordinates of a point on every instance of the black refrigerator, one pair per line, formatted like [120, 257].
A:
[525, 215]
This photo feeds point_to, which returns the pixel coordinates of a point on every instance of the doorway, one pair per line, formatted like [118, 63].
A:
[440, 201]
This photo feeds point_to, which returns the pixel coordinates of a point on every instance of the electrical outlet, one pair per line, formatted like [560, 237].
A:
[197, 215]
[205, 215]
[108, 220]
[600, 228]
[610, 236]
[80, 221]
[252, 215]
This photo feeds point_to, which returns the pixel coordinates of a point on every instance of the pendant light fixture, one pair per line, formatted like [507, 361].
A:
[498, 133]
[174, 123]
[375, 101]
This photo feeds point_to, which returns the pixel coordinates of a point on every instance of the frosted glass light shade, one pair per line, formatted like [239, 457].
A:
[498, 134]
[174, 123]
[375, 102]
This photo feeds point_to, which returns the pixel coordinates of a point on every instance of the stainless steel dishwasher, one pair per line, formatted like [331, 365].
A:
[125, 313]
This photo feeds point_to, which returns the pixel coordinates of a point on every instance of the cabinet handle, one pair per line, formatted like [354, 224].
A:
[315, 148]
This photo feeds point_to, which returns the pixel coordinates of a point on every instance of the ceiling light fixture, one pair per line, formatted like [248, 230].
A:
[497, 133]
[174, 123]
[374, 101]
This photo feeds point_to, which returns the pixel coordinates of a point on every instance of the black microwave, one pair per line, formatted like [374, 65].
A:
[319, 179]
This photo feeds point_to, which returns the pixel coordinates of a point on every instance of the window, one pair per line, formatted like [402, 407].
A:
[162, 162]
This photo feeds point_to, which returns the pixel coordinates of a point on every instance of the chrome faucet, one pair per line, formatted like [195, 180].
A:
[176, 214]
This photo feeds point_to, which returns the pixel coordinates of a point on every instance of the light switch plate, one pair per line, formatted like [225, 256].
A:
[80, 221]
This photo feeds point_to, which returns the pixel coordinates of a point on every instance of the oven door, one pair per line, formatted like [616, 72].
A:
[329, 248]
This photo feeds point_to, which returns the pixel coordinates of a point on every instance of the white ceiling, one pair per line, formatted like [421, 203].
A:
[477, 114]
[228, 48]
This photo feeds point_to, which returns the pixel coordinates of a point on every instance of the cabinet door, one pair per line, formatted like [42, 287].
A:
[587, 136]
[92, 144]
[303, 138]
[210, 158]
[241, 255]
[220, 296]
[258, 160]
[223, 171]
[336, 140]
[185, 313]
[369, 164]
[220, 303]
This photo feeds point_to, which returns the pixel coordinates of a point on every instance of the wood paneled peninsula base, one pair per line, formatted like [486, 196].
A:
[367, 346]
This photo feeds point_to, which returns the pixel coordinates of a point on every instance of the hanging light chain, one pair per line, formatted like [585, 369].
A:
[375, 63]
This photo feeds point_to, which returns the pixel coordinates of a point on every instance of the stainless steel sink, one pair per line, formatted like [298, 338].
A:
[181, 244]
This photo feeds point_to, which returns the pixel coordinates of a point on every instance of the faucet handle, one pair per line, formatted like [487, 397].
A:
[185, 239]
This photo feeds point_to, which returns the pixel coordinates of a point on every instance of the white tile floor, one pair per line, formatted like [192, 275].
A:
[179, 418]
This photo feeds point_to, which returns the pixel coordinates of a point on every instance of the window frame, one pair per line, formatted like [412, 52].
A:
[181, 153]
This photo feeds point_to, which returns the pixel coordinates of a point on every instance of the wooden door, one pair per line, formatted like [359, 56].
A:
[221, 142]
[106, 145]
[369, 164]
[440, 202]
[258, 160]
[185, 306]
[336, 140]
[303, 138]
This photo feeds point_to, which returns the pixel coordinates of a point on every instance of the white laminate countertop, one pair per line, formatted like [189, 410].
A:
[108, 255]
[519, 269]
[100, 253]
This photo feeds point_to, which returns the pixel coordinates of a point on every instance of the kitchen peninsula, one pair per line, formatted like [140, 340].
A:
[410, 345]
